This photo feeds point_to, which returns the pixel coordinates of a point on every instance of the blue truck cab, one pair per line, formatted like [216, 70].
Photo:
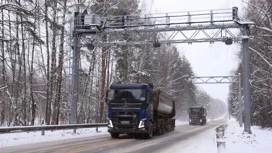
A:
[130, 109]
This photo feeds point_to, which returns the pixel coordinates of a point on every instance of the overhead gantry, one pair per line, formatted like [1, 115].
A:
[91, 30]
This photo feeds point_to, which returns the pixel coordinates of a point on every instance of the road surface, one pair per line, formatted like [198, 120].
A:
[175, 141]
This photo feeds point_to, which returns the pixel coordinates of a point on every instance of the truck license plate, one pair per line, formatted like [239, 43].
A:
[124, 122]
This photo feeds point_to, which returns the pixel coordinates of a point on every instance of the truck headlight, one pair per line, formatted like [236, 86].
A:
[142, 123]
[110, 123]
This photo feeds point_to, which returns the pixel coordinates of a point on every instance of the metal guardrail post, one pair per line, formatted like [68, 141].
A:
[42, 132]
[220, 141]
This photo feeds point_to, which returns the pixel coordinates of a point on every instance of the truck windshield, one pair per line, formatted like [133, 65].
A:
[195, 110]
[137, 94]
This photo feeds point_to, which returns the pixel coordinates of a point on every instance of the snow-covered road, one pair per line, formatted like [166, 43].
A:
[179, 141]
[183, 139]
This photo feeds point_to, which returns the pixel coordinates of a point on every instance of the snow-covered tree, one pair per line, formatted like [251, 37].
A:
[260, 12]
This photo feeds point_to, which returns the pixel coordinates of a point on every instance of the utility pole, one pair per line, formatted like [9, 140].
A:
[240, 117]
[246, 74]
[73, 112]
[76, 54]
[103, 79]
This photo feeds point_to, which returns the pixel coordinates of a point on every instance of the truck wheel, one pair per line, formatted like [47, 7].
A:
[172, 127]
[114, 135]
[150, 133]
[161, 131]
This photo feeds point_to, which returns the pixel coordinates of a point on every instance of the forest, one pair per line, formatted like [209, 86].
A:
[36, 64]
[260, 49]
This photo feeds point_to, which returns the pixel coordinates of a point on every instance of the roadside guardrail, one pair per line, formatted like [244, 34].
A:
[220, 141]
[49, 127]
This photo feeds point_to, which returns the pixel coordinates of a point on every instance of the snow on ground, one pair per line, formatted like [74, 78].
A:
[22, 138]
[200, 143]
[236, 141]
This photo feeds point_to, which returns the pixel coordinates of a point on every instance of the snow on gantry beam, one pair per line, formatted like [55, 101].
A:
[138, 43]
[176, 27]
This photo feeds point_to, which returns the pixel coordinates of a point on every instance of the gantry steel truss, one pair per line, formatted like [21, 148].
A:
[91, 30]
[214, 79]
[168, 35]
[185, 27]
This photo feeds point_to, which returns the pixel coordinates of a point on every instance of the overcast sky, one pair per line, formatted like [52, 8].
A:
[206, 59]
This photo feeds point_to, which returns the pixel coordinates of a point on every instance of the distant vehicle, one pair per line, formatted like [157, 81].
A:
[197, 115]
[138, 110]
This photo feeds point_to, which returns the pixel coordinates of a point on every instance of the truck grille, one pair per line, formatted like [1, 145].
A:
[125, 118]
[195, 116]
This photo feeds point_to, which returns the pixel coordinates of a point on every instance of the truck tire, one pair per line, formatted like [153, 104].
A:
[161, 130]
[114, 135]
[150, 133]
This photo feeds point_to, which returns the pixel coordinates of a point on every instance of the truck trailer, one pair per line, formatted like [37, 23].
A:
[197, 115]
[139, 110]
